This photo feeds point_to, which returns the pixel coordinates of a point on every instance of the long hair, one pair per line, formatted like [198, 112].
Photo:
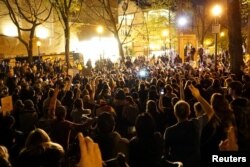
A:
[222, 110]
[145, 125]
[151, 107]
[219, 104]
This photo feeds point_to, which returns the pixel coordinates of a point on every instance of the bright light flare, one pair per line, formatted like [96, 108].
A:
[217, 10]
[152, 46]
[222, 34]
[143, 73]
[38, 43]
[10, 30]
[207, 42]
[165, 33]
[182, 21]
[93, 48]
[42, 32]
[99, 29]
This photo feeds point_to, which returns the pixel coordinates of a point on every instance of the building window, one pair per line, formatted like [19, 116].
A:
[126, 20]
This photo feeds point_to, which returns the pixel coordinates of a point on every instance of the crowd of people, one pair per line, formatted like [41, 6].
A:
[139, 114]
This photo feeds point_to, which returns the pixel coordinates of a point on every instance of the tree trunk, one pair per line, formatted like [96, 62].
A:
[121, 52]
[235, 37]
[202, 40]
[30, 54]
[67, 43]
[30, 45]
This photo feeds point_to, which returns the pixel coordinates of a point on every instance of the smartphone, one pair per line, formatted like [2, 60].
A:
[162, 91]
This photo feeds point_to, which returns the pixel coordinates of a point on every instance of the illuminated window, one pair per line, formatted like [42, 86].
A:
[126, 19]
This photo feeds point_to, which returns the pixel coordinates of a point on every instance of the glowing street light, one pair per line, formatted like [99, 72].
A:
[222, 34]
[99, 29]
[182, 21]
[216, 12]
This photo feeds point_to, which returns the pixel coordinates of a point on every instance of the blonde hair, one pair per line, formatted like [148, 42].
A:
[4, 153]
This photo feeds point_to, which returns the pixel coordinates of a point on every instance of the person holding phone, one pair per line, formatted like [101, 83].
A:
[162, 91]
[182, 140]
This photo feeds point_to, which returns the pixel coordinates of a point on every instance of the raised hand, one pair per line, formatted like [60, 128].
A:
[230, 144]
[90, 152]
[195, 91]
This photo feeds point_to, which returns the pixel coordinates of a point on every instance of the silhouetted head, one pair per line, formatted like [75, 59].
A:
[37, 137]
[235, 88]
[61, 113]
[182, 110]
[79, 103]
[145, 126]
[106, 123]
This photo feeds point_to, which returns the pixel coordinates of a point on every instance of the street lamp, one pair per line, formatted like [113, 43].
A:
[216, 12]
[38, 49]
[99, 30]
[182, 22]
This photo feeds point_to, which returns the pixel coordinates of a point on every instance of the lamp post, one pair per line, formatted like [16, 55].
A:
[216, 11]
[99, 30]
[182, 22]
[38, 49]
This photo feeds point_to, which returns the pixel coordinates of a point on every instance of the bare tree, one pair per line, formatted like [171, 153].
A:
[202, 22]
[105, 12]
[67, 12]
[27, 16]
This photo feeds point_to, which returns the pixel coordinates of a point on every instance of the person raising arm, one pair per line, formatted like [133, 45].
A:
[204, 104]
[90, 152]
